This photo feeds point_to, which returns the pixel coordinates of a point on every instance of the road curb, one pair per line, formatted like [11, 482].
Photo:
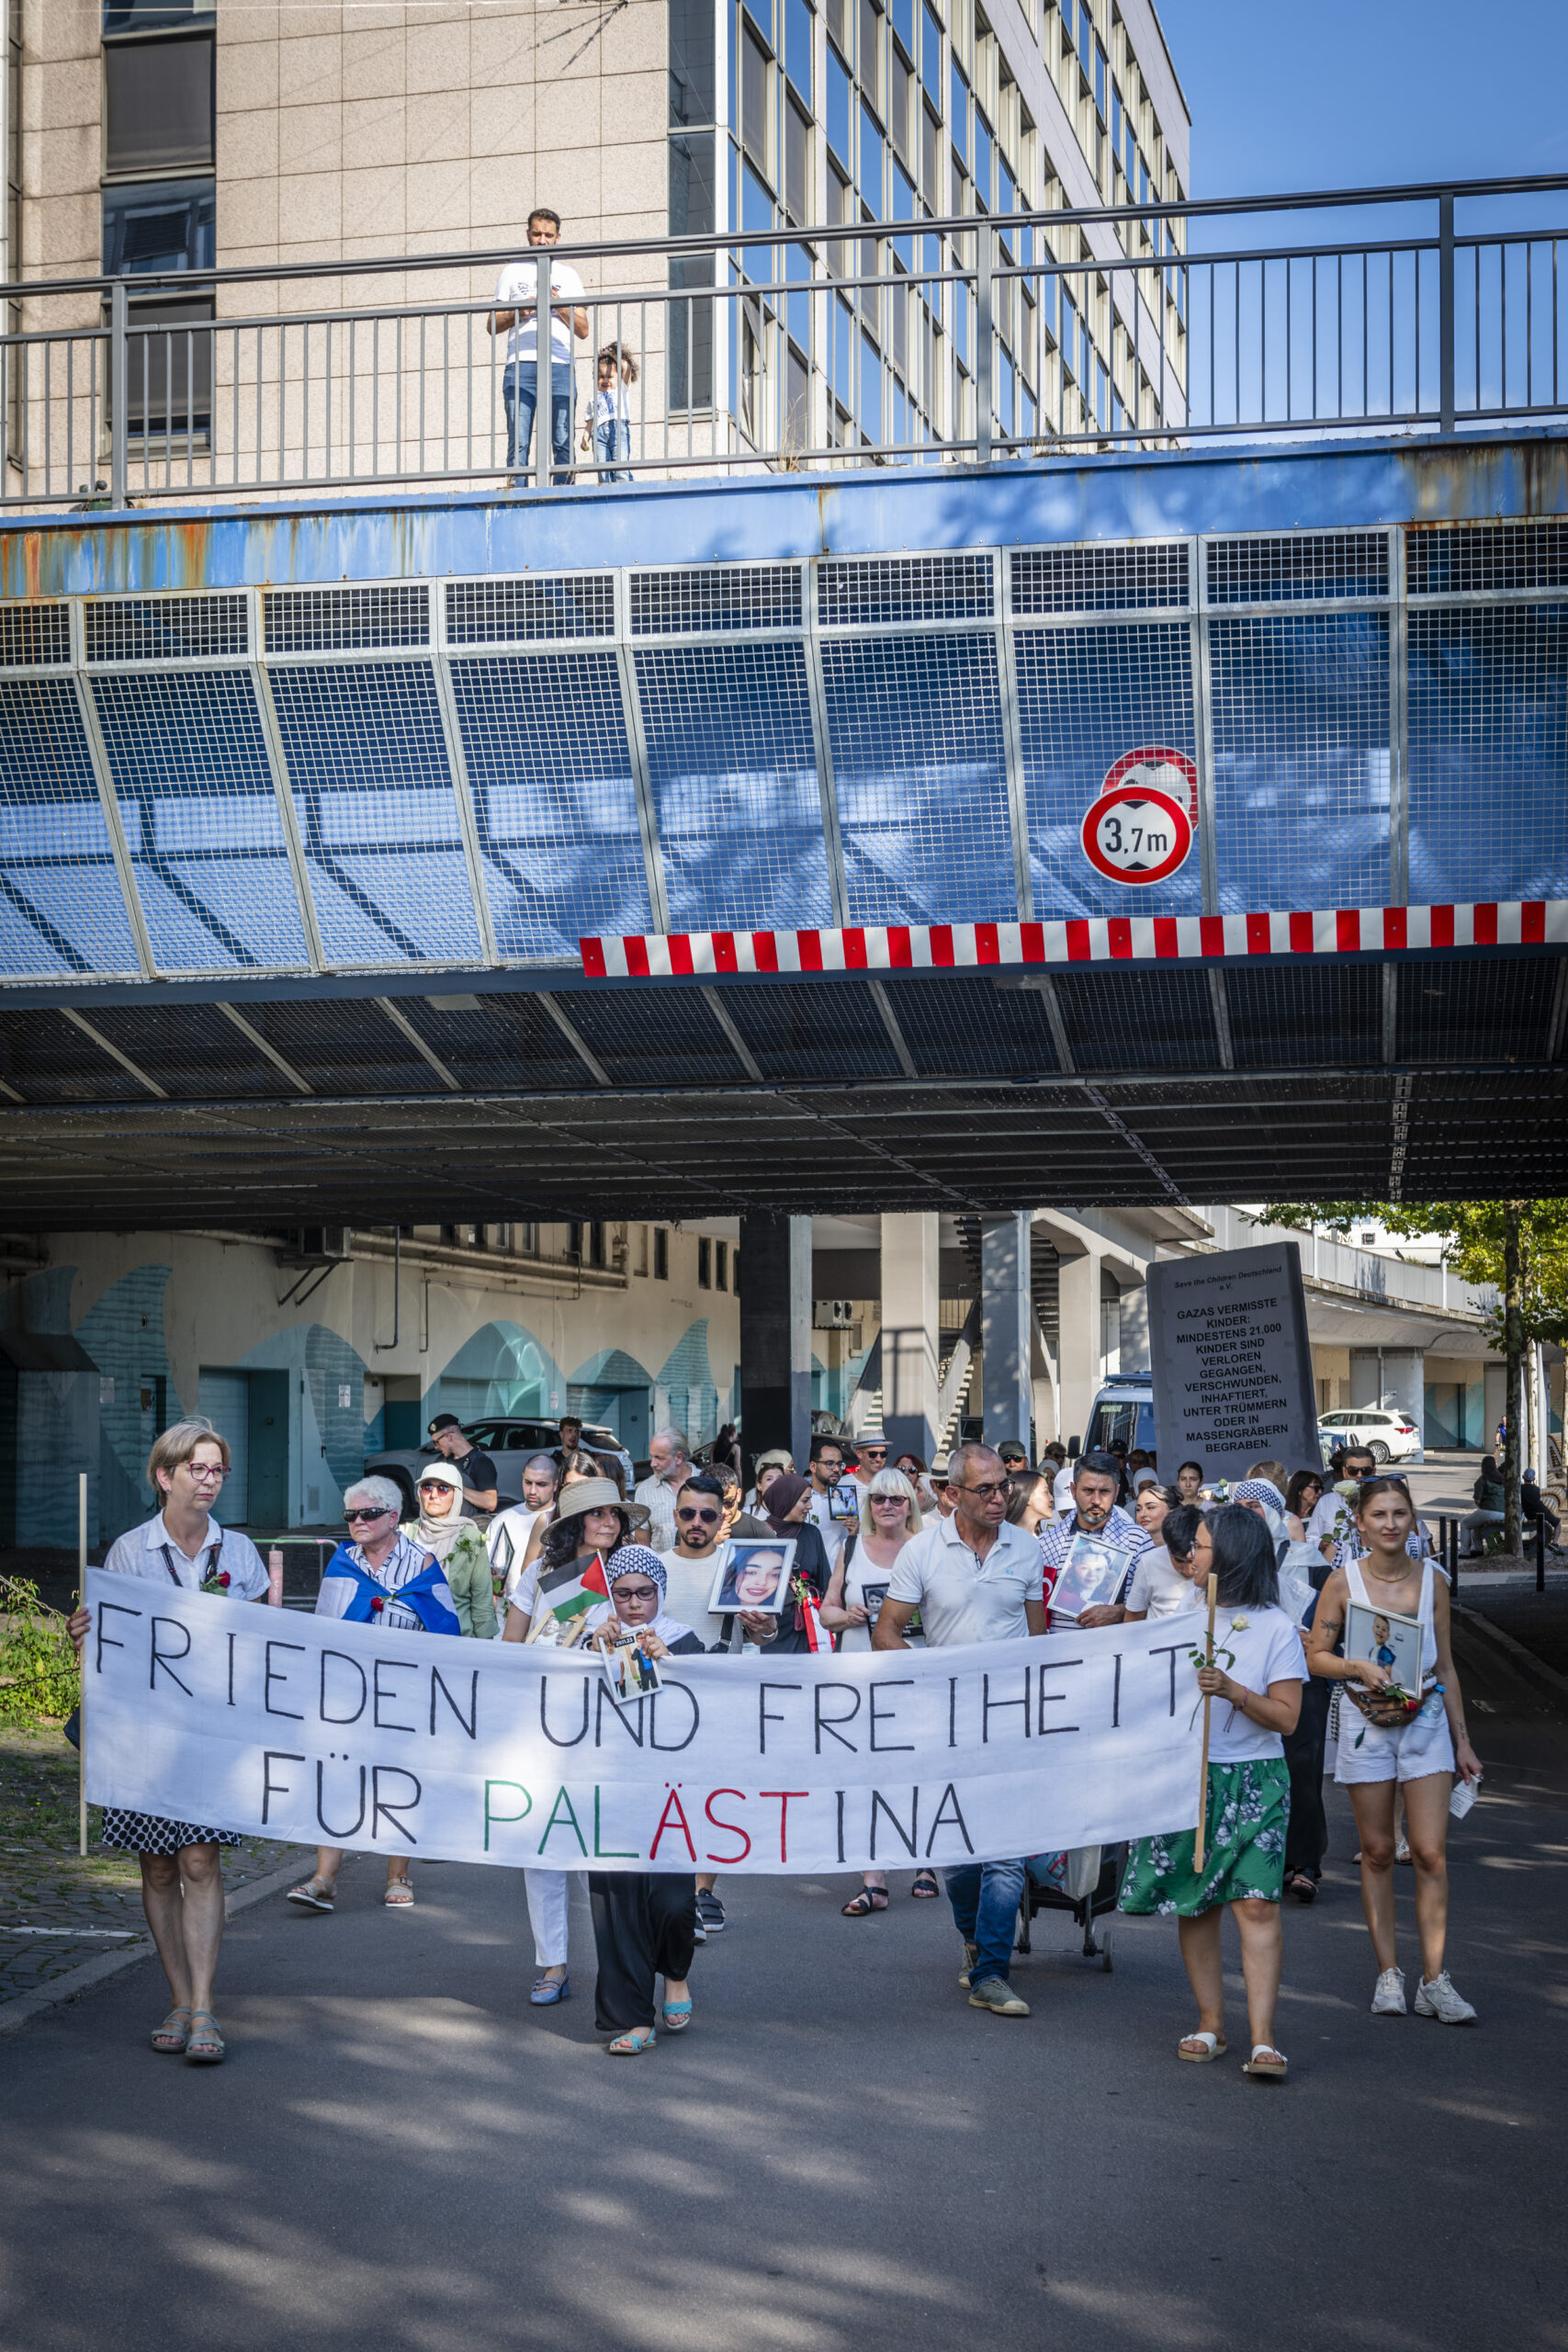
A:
[1543, 1677]
[16, 2014]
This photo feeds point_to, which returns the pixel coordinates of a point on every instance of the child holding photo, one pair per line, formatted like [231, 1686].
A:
[1255, 1689]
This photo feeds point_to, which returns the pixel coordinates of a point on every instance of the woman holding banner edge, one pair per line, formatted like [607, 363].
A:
[1255, 1698]
[182, 1876]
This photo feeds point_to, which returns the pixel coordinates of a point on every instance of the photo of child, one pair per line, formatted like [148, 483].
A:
[1387, 1640]
[631, 1673]
[755, 1577]
[1091, 1579]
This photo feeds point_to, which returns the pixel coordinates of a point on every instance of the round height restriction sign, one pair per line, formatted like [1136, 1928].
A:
[1134, 834]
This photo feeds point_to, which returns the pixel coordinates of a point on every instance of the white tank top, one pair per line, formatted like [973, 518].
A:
[858, 1573]
[1358, 1593]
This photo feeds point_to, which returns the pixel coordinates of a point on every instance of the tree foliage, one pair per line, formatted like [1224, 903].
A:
[1474, 1239]
[38, 1666]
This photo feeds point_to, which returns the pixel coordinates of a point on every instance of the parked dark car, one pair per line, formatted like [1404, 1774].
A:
[509, 1441]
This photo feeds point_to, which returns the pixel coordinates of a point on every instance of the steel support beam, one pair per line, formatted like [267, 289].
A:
[108, 802]
[636, 747]
[458, 768]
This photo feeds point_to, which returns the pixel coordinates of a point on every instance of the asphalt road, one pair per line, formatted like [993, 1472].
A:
[400, 2156]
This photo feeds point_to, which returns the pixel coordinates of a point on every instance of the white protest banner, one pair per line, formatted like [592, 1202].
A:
[310, 1730]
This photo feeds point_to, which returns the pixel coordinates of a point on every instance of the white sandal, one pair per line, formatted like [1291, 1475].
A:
[1214, 2046]
[1268, 2065]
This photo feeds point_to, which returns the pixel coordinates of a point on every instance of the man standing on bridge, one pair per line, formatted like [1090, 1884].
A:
[973, 1577]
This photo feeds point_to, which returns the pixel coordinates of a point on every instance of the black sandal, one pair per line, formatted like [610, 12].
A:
[1302, 1886]
[925, 1885]
[869, 1899]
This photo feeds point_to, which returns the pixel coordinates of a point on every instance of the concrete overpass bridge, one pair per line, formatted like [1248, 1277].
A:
[1161, 812]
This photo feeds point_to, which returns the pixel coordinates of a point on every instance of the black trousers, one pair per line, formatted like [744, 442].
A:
[645, 1925]
[1306, 1841]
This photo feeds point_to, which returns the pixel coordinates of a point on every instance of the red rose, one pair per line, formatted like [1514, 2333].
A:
[376, 1606]
[223, 1579]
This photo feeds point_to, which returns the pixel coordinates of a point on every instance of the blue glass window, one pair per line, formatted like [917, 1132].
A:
[870, 389]
[983, 159]
[839, 136]
[799, 26]
[903, 203]
[930, 57]
[871, 175]
[159, 225]
[904, 23]
[960, 114]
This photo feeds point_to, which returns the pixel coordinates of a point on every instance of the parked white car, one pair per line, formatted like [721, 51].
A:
[1387, 1436]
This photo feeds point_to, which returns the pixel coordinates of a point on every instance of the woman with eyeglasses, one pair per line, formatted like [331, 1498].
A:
[377, 1577]
[443, 1531]
[182, 1876]
[889, 1517]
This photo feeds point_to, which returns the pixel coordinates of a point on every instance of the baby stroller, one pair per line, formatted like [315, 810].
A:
[1086, 1881]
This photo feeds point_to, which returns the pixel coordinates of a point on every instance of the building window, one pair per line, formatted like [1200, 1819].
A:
[704, 1265]
[158, 106]
[661, 1254]
[597, 1254]
[721, 1265]
[574, 1244]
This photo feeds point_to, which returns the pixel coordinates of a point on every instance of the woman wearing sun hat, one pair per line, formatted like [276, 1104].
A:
[589, 1517]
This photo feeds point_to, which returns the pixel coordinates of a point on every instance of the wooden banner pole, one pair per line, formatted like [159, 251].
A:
[1198, 1845]
[81, 1679]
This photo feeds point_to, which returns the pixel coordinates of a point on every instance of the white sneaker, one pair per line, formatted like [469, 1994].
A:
[1402, 1852]
[1439, 2000]
[1388, 2001]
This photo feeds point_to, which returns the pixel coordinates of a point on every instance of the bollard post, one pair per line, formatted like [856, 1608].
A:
[1541, 1553]
[1453, 1556]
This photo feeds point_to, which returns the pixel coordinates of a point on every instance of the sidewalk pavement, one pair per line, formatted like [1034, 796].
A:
[59, 1911]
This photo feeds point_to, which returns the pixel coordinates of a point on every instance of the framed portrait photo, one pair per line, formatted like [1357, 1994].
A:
[754, 1579]
[1385, 1639]
[874, 1595]
[1091, 1577]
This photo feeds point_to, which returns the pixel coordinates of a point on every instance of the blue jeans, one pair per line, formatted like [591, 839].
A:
[612, 440]
[520, 393]
[985, 1898]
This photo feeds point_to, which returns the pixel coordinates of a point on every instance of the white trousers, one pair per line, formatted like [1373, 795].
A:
[550, 1894]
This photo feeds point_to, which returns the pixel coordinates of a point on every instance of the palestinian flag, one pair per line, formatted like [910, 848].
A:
[570, 1592]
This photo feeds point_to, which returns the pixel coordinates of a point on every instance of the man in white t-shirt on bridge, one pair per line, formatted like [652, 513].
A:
[519, 290]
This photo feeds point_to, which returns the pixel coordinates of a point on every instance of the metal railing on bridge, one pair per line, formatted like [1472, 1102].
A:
[909, 343]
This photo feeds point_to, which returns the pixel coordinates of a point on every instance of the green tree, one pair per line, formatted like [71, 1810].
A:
[1518, 1248]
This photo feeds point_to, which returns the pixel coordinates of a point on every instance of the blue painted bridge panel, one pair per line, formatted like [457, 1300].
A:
[392, 736]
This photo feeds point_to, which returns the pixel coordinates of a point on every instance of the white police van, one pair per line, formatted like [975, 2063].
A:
[1122, 1414]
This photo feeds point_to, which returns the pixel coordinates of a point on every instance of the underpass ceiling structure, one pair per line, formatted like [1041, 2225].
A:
[311, 818]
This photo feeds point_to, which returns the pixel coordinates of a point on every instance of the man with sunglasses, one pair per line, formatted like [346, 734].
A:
[871, 1456]
[835, 1498]
[973, 1577]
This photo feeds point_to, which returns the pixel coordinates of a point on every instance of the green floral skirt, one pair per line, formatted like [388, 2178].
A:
[1249, 1810]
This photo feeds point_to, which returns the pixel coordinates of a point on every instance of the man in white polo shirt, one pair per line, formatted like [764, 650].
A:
[973, 1577]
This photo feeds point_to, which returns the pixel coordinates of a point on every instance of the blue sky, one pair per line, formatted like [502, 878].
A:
[1285, 96]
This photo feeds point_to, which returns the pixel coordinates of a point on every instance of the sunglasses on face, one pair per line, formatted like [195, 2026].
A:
[701, 1518]
[874, 1452]
[434, 1486]
[375, 1511]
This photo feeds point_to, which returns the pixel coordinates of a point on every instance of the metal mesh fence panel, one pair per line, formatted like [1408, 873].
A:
[1099, 580]
[726, 596]
[1488, 720]
[32, 635]
[321, 620]
[489, 612]
[795, 1035]
[1301, 760]
[1297, 567]
[851, 590]
[919, 760]
[732, 766]
[367, 760]
[1499, 1009]
[554, 798]
[1462, 559]
[165, 628]
[201, 822]
[1085, 697]
[61, 908]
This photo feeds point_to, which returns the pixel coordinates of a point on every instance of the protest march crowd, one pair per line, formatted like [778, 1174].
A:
[1313, 1631]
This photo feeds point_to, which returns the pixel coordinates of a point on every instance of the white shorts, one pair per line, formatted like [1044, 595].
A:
[1421, 1747]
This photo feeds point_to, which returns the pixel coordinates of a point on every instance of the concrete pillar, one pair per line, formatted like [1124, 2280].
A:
[910, 1314]
[1007, 1396]
[775, 1334]
[1078, 1346]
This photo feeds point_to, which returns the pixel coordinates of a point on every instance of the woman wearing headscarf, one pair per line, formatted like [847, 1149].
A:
[645, 1922]
[443, 1531]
